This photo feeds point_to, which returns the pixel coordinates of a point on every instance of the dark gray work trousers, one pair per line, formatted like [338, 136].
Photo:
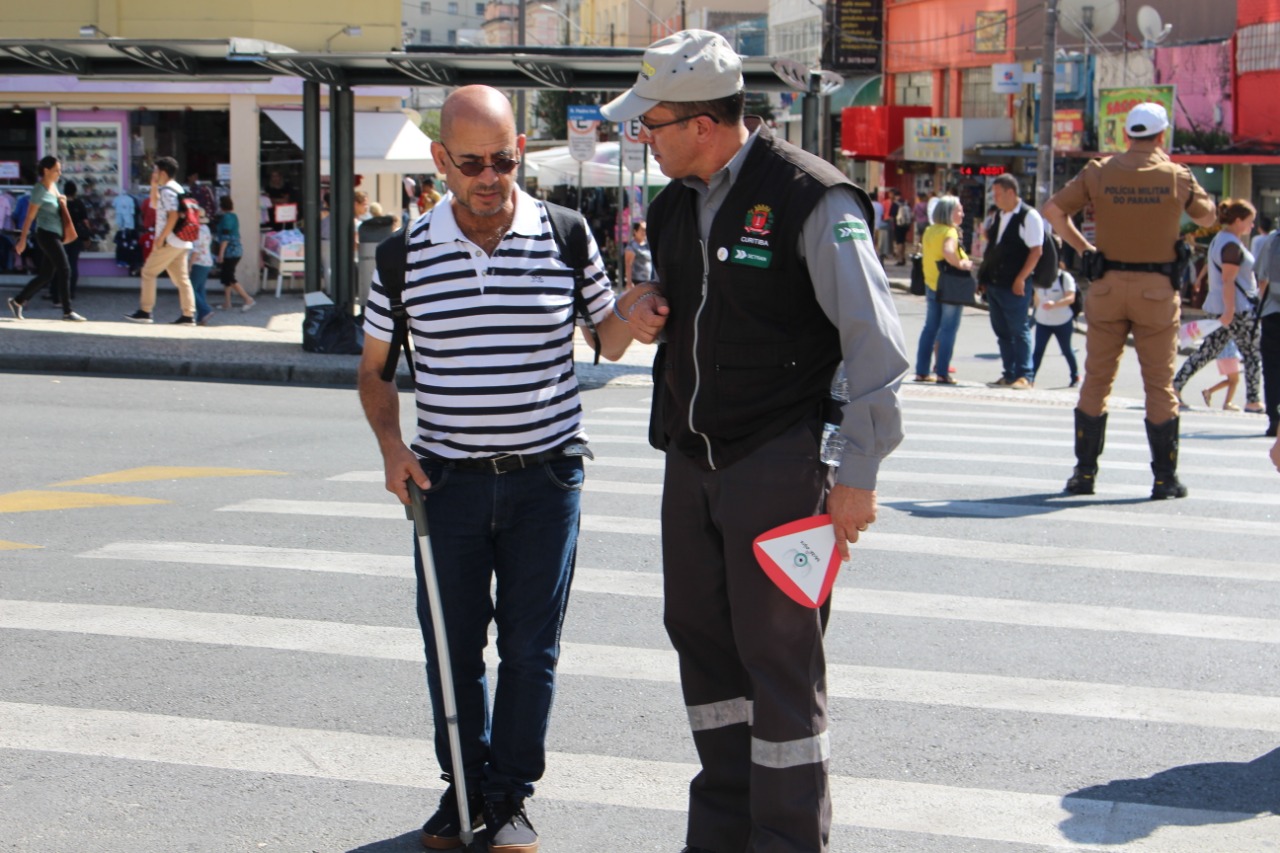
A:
[752, 665]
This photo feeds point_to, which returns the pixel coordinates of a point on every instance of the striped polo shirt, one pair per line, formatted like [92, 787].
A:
[493, 336]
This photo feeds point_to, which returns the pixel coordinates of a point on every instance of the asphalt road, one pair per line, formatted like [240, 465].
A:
[209, 643]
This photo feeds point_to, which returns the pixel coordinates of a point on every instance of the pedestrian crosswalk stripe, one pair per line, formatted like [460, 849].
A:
[1049, 558]
[45, 500]
[1047, 821]
[846, 681]
[1064, 417]
[989, 481]
[1043, 513]
[1065, 428]
[848, 598]
[1067, 461]
[1195, 451]
[150, 473]
[1056, 513]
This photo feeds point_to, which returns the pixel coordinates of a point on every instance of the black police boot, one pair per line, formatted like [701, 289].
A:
[1091, 433]
[1164, 460]
[443, 830]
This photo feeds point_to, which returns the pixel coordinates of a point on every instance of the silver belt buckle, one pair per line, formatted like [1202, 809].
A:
[495, 462]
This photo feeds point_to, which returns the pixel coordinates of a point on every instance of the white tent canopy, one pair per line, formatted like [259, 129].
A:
[384, 142]
[554, 166]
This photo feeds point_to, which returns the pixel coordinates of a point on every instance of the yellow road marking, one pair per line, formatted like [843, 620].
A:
[161, 472]
[38, 501]
[16, 546]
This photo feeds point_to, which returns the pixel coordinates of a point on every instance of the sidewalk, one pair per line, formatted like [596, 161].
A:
[263, 344]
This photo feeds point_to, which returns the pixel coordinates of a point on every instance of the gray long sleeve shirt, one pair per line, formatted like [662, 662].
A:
[852, 289]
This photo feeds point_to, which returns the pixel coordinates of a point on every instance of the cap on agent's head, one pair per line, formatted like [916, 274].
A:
[1146, 120]
[691, 65]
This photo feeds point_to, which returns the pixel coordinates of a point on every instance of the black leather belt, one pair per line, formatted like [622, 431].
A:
[513, 461]
[1123, 266]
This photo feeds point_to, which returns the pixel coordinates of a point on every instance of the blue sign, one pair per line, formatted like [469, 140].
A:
[585, 112]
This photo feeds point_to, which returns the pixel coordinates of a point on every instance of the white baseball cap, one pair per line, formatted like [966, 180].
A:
[691, 65]
[1145, 120]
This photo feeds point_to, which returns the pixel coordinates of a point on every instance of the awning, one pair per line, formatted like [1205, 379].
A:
[384, 142]
[554, 166]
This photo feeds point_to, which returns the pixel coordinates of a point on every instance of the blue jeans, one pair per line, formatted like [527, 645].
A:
[522, 528]
[1063, 333]
[1011, 321]
[200, 275]
[941, 322]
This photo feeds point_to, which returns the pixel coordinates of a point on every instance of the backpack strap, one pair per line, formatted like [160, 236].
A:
[392, 259]
[566, 223]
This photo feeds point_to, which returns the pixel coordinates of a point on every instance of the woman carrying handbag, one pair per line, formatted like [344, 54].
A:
[48, 211]
[945, 265]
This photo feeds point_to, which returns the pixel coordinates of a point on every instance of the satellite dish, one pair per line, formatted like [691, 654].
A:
[1152, 28]
[1082, 18]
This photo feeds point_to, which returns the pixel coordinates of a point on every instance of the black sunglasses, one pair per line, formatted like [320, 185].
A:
[652, 127]
[474, 169]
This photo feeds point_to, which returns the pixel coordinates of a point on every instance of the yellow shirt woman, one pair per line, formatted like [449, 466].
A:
[931, 251]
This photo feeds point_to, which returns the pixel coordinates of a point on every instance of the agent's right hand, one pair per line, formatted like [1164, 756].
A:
[648, 319]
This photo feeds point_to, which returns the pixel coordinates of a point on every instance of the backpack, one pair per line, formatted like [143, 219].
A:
[904, 214]
[187, 228]
[392, 258]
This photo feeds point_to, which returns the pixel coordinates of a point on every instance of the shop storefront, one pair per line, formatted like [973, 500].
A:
[108, 135]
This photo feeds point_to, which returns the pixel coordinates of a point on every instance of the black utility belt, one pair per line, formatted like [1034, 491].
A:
[1123, 266]
[505, 462]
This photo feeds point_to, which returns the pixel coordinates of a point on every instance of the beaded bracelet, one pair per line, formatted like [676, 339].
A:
[641, 298]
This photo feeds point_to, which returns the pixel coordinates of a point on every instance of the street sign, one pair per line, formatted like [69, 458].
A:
[584, 119]
[633, 150]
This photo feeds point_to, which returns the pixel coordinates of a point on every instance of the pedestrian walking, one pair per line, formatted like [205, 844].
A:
[1234, 300]
[168, 253]
[770, 281]
[80, 221]
[1138, 198]
[941, 242]
[1015, 241]
[230, 251]
[1268, 273]
[44, 216]
[1229, 369]
[1053, 317]
[498, 452]
[638, 260]
[201, 257]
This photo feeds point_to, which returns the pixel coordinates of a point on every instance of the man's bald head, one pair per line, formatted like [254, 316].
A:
[476, 105]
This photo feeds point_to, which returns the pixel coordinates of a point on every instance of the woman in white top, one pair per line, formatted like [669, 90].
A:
[1053, 320]
[1233, 299]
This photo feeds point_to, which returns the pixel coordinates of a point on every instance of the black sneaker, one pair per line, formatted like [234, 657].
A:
[509, 830]
[184, 321]
[139, 316]
[16, 307]
[442, 830]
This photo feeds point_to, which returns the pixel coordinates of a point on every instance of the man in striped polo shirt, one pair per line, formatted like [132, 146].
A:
[498, 450]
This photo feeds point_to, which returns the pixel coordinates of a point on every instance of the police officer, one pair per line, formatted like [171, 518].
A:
[1138, 198]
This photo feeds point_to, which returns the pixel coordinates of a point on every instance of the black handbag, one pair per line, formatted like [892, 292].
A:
[956, 286]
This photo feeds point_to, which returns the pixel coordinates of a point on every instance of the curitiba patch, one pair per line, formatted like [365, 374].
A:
[852, 229]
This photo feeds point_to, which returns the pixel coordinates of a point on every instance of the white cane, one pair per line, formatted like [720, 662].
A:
[417, 511]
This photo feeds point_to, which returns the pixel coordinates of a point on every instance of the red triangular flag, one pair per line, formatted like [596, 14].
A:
[801, 558]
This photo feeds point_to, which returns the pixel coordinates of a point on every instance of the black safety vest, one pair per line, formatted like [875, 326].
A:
[1004, 259]
[749, 351]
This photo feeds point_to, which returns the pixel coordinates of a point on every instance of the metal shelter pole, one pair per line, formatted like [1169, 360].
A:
[1048, 96]
[809, 115]
[311, 185]
[342, 192]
